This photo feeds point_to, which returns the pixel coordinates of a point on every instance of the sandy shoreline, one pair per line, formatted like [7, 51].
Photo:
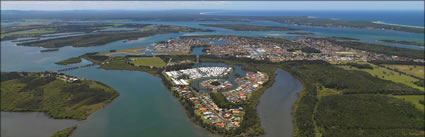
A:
[380, 22]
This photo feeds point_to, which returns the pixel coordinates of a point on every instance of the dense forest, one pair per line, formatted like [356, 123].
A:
[368, 115]
[365, 107]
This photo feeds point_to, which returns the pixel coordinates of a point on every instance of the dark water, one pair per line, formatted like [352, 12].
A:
[32, 124]
[276, 103]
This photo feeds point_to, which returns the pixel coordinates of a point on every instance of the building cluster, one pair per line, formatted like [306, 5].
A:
[178, 46]
[251, 82]
[68, 79]
[205, 107]
[179, 77]
[61, 76]
[215, 84]
[273, 49]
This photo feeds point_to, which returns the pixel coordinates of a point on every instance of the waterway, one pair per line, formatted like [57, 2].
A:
[31, 124]
[276, 103]
[237, 70]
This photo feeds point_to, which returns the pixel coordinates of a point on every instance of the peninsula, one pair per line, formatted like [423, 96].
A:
[60, 96]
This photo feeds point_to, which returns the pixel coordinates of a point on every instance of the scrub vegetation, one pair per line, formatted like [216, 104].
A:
[65, 133]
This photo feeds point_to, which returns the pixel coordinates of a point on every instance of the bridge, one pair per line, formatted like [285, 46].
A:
[75, 67]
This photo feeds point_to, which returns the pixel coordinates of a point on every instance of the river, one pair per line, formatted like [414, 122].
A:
[276, 103]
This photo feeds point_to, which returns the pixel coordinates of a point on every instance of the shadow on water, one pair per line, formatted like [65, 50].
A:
[276, 103]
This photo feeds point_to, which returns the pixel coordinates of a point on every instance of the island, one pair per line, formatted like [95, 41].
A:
[91, 34]
[60, 96]
[72, 60]
[301, 33]
[404, 42]
[246, 27]
[49, 50]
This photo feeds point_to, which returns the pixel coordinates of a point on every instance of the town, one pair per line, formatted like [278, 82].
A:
[273, 49]
[178, 46]
[204, 104]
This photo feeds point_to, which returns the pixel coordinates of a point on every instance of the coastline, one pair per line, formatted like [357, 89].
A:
[401, 25]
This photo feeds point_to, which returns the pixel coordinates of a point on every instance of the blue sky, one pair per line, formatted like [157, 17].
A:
[227, 5]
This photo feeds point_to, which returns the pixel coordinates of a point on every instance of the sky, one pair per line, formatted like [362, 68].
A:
[225, 5]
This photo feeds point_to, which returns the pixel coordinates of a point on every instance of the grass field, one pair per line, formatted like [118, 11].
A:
[148, 61]
[414, 70]
[414, 99]
[133, 51]
[387, 74]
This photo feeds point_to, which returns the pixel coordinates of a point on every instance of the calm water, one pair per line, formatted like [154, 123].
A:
[197, 51]
[145, 107]
[31, 124]
[276, 103]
